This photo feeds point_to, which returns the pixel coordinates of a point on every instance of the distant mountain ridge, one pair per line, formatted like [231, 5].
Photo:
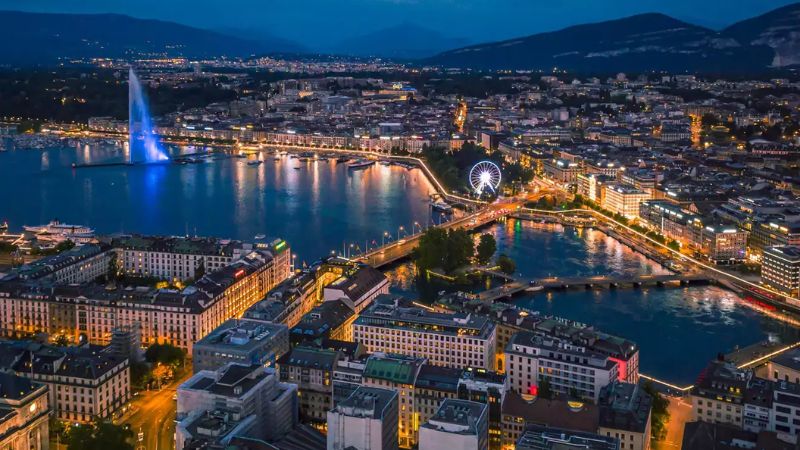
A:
[406, 40]
[642, 43]
[39, 38]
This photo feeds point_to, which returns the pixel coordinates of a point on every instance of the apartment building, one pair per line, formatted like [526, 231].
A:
[25, 407]
[568, 368]
[83, 383]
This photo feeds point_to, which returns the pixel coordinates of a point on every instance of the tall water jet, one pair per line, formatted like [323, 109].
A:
[143, 145]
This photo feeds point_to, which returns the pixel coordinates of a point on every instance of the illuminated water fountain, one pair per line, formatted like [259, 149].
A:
[143, 145]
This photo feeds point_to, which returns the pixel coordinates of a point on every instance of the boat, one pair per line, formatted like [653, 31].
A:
[255, 162]
[342, 159]
[3, 227]
[386, 163]
[56, 231]
[360, 164]
[534, 287]
[276, 159]
[441, 206]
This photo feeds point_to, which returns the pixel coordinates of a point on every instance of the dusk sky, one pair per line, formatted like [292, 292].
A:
[315, 23]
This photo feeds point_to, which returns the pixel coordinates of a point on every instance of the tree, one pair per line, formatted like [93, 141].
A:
[460, 249]
[166, 354]
[64, 246]
[100, 435]
[507, 265]
[200, 270]
[113, 267]
[545, 391]
[660, 411]
[486, 248]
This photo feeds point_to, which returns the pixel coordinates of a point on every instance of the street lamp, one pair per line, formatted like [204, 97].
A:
[416, 224]
[383, 238]
[401, 228]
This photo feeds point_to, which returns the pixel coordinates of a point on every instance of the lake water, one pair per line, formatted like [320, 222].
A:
[322, 206]
[317, 206]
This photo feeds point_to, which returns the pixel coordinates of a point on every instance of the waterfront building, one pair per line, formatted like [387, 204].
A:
[234, 400]
[785, 367]
[311, 369]
[452, 340]
[624, 200]
[774, 232]
[359, 286]
[75, 266]
[568, 368]
[242, 341]
[718, 395]
[723, 243]
[366, 420]
[457, 424]
[90, 312]
[180, 258]
[538, 437]
[625, 412]
[26, 410]
[562, 171]
[511, 319]
[83, 383]
[592, 186]
[780, 269]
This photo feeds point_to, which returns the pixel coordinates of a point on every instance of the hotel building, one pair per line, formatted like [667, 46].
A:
[452, 340]
[780, 269]
[90, 312]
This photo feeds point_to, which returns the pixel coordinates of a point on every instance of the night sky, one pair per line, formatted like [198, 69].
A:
[314, 22]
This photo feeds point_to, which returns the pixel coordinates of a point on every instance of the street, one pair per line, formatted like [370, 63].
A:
[680, 412]
[154, 416]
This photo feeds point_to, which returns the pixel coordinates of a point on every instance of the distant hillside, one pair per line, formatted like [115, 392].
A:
[264, 39]
[33, 38]
[406, 40]
[638, 43]
[778, 29]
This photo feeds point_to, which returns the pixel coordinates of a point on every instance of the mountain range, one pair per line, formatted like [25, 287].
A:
[39, 38]
[643, 42]
[404, 41]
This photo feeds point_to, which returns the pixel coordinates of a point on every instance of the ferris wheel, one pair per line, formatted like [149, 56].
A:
[484, 175]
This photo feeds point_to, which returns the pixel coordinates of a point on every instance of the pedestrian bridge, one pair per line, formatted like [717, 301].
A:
[515, 285]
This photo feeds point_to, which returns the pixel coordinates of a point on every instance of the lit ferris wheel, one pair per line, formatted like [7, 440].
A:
[484, 176]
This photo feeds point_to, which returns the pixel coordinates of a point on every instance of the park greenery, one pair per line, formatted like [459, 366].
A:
[486, 248]
[452, 168]
[162, 362]
[446, 251]
[100, 435]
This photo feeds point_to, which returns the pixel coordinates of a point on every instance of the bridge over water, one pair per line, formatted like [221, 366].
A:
[515, 285]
